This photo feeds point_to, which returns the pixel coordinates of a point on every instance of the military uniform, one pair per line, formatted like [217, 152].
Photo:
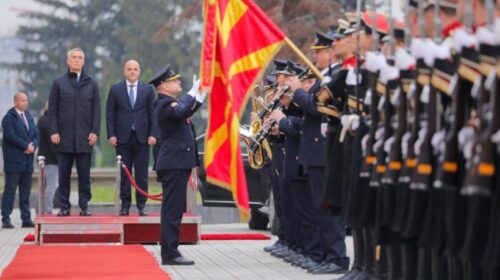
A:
[177, 155]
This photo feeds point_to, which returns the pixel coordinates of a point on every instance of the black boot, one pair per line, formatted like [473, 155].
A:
[424, 265]
[410, 259]
[472, 271]
[395, 261]
[455, 268]
[439, 266]
[357, 265]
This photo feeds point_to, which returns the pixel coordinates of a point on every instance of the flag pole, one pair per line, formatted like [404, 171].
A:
[303, 57]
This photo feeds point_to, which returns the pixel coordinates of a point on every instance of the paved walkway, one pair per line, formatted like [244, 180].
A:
[214, 259]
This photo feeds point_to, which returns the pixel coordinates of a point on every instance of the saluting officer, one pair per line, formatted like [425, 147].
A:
[177, 156]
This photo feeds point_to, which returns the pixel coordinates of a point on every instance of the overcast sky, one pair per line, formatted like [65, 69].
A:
[9, 15]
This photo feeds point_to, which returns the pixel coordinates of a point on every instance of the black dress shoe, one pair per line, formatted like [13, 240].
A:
[28, 224]
[308, 263]
[124, 212]
[85, 212]
[178, 261]
[63, 212]
[142, 212]
[275, 246]
[7, 225]
[330, 268]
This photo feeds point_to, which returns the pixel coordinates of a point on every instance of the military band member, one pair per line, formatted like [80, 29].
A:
[178, 154]
[281, 247]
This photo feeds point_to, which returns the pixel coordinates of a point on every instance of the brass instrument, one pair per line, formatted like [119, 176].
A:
[255, 135]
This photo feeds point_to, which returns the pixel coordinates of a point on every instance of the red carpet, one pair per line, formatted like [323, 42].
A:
[78, 262]
[232, 236]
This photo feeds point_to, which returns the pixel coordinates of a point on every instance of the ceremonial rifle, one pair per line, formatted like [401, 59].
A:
[480, 175]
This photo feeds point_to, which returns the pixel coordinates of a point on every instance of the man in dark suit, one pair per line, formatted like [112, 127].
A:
[20, 140]
[75, 114]
[129, 119]
[177, 156]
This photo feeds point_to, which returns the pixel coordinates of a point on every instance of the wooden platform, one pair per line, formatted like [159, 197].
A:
[110, 229]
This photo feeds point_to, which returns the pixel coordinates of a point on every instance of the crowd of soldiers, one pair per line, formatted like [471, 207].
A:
[398, 142]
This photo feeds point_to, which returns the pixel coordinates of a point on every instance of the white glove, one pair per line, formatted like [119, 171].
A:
[374, 61]
[324, 127]
[496, 28]
[485, 36]
[430, 53]
[404, 60]
[462, 38]
[417, 48]
[200, 96]
[388, 73]
[326, 80]
[195, 89]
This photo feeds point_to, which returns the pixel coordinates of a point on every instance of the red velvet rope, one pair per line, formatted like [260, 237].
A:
[157, 197]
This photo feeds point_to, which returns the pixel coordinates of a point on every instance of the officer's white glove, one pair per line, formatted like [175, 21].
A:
[324, 127]
[195, 89]
[200, 96]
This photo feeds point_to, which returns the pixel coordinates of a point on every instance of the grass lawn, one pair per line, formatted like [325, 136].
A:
[106, 193]
[101, 193]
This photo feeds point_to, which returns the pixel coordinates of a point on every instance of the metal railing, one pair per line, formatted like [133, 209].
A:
[191, 195]
[41, 185]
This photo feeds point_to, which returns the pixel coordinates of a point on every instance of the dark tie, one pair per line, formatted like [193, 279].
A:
[131, 95]
[25, 122]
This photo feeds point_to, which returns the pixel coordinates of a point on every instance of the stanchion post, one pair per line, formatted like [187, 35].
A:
[118, 183]
[192, 190]
[41, 185]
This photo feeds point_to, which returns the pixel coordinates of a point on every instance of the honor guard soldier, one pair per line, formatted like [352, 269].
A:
[178, 154]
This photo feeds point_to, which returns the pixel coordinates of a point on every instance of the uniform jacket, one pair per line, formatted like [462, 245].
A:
[312, 143]
[120, 115]
[74, 111]
[16, 139]
[290, 126]
[178, 148]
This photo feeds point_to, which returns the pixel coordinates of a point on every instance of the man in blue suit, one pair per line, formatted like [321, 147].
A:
[20, 140]
[130, 127]
[177, 156]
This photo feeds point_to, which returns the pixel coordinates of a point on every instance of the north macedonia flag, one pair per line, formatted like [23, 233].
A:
[239, 41]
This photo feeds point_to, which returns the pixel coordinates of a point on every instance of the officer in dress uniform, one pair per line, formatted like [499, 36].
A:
[178, 154]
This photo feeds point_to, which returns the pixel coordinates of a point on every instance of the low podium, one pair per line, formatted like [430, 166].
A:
[103, 228]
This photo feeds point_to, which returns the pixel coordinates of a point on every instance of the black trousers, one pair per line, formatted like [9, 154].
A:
[278, 202]
[173, 205]
[289, 202]
[12, 181]
[313, 247]
[65, 163]
[135, 156]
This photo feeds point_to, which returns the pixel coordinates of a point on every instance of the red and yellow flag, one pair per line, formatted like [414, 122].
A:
[239, 41]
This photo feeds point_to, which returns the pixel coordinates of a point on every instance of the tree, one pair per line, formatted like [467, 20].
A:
[56, 28]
